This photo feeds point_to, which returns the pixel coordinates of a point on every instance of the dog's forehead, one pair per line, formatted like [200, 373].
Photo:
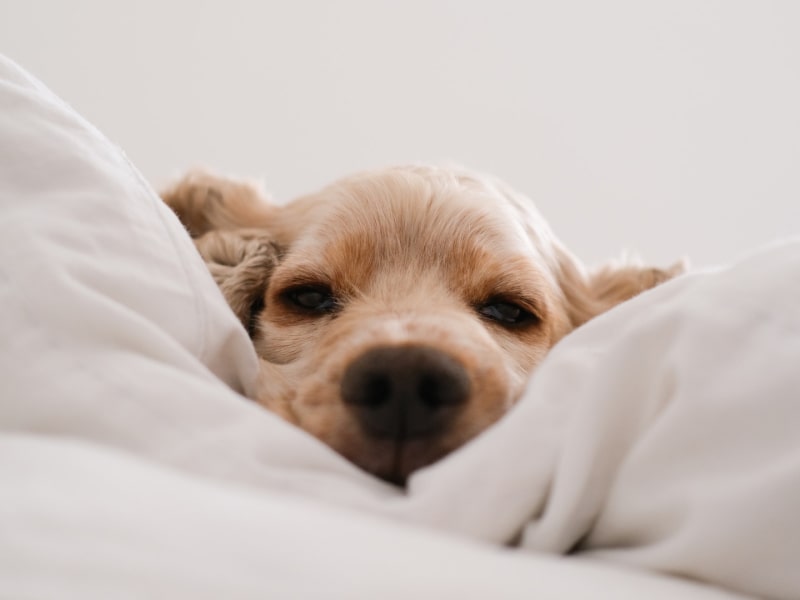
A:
[410, 214]
[399, 231]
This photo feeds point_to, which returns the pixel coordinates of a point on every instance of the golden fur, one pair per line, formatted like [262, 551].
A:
[410, 257]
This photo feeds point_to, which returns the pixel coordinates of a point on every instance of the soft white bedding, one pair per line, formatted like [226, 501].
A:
[662, 440]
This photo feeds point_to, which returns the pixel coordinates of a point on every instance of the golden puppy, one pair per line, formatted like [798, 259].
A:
[397, 313]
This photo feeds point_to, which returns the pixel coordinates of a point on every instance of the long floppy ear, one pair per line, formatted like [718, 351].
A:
[241, 262]
[228, 220]
[205, 201]
[590, 294]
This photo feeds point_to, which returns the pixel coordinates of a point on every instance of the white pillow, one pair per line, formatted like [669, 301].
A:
[104, 294]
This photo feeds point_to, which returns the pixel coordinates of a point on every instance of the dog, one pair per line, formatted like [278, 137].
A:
[397, 313]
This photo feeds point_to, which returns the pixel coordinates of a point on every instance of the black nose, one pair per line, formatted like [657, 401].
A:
[403, 392]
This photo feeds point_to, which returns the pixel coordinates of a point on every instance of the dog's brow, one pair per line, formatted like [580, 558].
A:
[302, 275]
[523, 286]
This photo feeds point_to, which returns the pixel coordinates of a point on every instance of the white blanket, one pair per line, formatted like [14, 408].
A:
[661, 441]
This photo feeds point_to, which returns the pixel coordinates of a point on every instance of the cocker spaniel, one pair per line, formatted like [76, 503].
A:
[397, 313]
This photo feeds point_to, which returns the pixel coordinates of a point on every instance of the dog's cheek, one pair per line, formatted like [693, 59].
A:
[281, 345]
[523, 351]
[275, 390]
[495, 387]
[318, 409]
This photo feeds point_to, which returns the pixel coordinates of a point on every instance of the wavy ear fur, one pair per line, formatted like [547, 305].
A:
[590, 294]
[204, 201]
[227, 220]
[241, 262]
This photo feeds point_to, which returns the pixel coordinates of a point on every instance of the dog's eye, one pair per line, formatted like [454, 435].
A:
[312, 298]
[506, 313]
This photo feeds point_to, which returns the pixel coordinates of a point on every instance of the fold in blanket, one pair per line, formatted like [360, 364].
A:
[663, 435]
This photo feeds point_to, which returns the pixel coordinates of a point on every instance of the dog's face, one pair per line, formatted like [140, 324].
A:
[398, 313]
[404, 318]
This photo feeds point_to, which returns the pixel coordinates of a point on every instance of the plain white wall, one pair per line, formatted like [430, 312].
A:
[671, 128]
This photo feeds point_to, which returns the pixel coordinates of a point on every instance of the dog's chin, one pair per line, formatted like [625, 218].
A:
[395, 460]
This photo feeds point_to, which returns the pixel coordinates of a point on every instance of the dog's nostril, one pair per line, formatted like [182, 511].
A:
[377, 390]
[404, 391]
[433, 394]
[428, 391]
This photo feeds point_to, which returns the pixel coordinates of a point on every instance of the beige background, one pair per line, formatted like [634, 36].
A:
[667, 127]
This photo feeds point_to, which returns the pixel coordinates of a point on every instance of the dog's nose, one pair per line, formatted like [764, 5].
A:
[403, 392]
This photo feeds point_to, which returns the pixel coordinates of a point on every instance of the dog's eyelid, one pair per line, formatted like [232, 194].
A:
[527, 303]
[299, 284]
[313, 298]
[301, 278]
[501, 307]
[532, 306]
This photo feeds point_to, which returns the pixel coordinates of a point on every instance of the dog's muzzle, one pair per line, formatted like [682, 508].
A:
[405, 392]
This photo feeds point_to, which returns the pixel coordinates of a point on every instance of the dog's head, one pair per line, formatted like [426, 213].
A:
[397, 313]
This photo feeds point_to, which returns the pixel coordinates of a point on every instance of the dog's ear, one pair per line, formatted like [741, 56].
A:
[589, 294]
[229, 220]
[241, 262]
[205, 201]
